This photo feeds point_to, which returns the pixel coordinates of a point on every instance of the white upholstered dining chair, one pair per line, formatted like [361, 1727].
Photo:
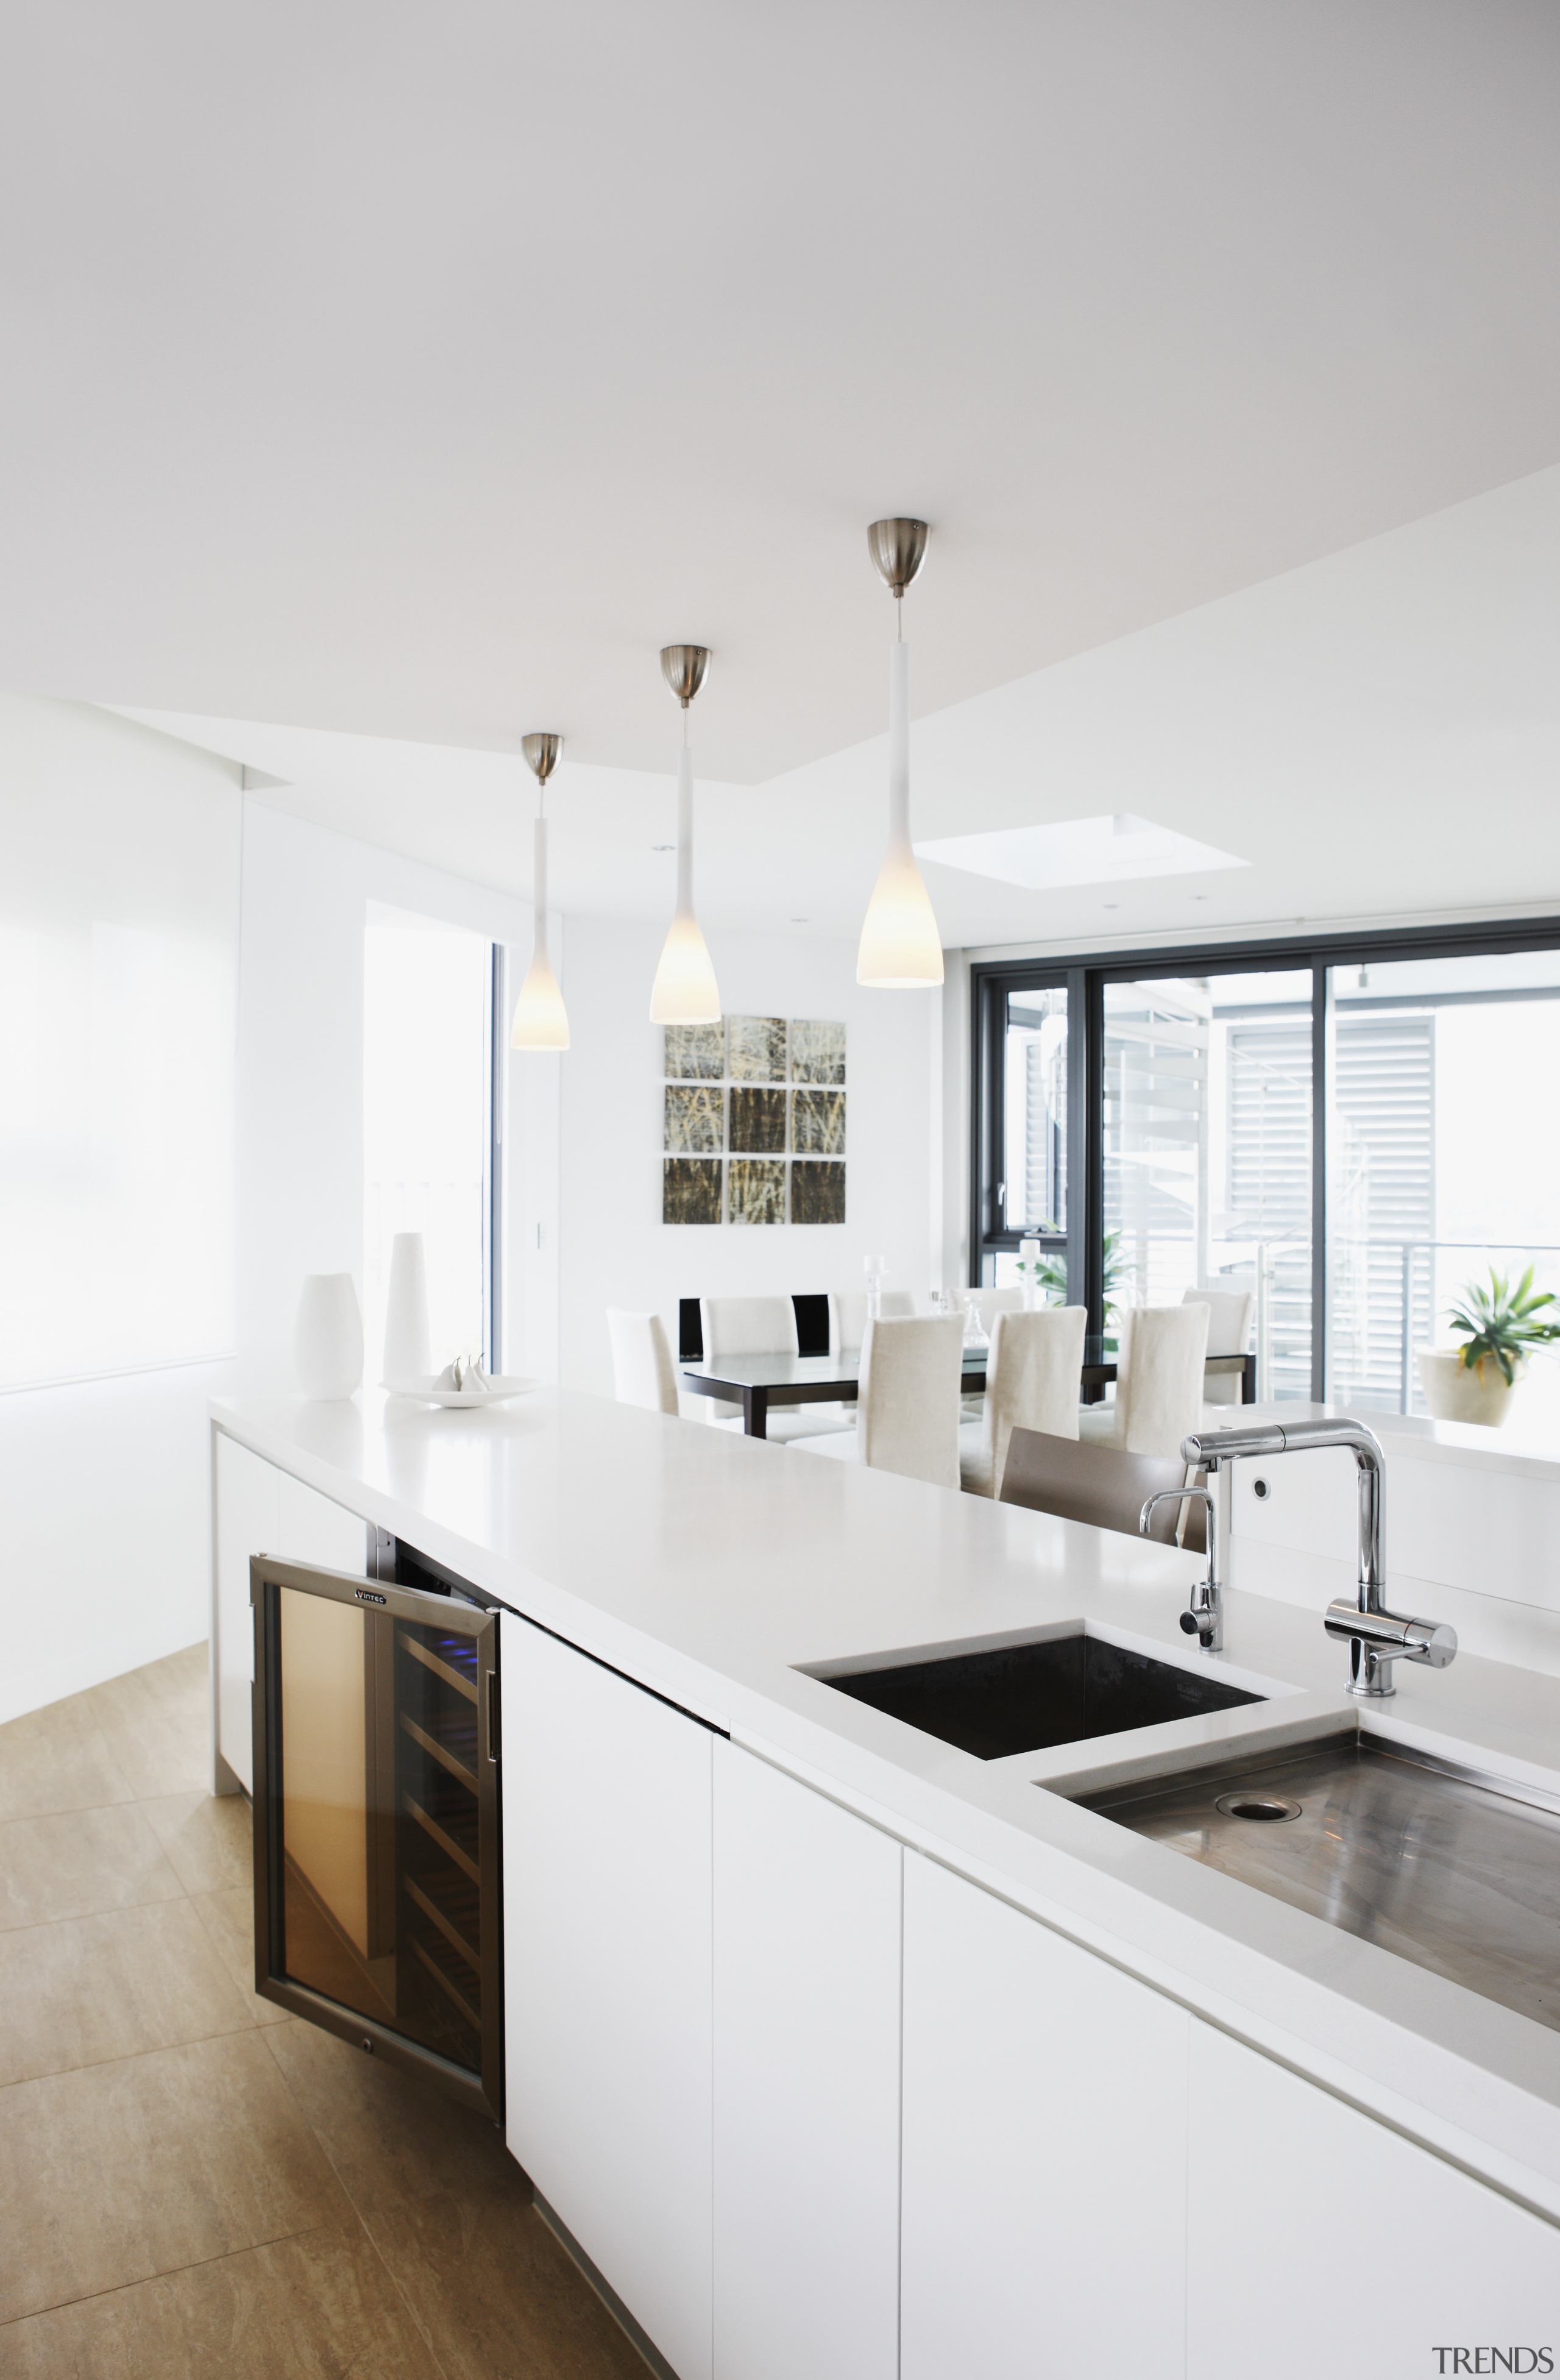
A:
[1032, 1383]
[764, 1326]
[1159, 1382]
[1230, 1333]
[907, 1409]
[847, 1314]
[643, 1372]
[990, 1302]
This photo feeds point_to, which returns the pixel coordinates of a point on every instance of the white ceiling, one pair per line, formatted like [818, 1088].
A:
[415, 373]
[1376, 733]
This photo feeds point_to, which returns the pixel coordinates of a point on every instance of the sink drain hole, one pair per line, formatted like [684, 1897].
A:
[1261, 1807]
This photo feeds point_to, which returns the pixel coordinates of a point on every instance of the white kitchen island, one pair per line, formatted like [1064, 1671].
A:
[842, 2052]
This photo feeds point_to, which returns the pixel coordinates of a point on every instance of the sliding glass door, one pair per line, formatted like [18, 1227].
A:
[1026, 1187]
[1443, 1157]
[1353, 1131]
[1206, 1148]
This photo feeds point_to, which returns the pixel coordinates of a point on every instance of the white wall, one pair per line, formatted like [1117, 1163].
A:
[300, 1067]
[105, 1511]
[616, 1251]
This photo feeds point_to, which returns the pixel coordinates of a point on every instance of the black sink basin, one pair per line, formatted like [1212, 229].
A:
[1022, 1697]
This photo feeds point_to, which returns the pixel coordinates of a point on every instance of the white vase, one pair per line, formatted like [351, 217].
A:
[408, 1352]
[1455, 1393]
[328, 1337]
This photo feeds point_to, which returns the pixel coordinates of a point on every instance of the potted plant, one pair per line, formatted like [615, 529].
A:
[1045, 1276]
[1499, 1327]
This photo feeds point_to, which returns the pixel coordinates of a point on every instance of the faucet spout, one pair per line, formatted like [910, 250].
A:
[1203, 1617]
[1376, 1636]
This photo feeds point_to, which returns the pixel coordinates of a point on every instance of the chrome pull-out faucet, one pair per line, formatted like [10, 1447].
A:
[1203, 1617]
[1377, 1637]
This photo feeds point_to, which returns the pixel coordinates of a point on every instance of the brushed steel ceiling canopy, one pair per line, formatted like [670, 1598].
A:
[684, 666]
[541, 755]
[897, 548]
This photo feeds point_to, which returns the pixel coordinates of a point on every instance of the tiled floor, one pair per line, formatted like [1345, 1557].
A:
[192, 2182]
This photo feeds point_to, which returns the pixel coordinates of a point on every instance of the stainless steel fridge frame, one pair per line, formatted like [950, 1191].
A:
[379, 1601]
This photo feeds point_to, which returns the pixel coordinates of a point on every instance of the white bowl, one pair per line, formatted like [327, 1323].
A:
[430, 1390]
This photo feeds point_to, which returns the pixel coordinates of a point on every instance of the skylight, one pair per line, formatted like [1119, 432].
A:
[1108, 850]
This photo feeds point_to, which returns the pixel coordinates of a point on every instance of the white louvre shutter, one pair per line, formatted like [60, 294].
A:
[1382, 1188]
[1268, 1190]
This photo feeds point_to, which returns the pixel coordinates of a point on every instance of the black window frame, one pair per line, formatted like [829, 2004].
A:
[1085, 976]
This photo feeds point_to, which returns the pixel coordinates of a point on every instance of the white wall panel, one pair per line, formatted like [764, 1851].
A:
[120, 867]
[615, 1249]
[247, 1522]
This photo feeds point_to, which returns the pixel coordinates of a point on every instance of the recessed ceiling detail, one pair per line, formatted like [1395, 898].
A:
[1110, 850]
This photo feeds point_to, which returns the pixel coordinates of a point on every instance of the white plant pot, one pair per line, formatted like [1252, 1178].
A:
[1455, 1393]
[328, 1338]
[408, 1353]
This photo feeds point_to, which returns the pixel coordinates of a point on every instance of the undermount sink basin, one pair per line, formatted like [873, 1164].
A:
[1457, 1872]
[1025, 1697]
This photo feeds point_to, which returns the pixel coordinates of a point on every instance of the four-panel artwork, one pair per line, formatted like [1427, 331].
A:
[754, 1122]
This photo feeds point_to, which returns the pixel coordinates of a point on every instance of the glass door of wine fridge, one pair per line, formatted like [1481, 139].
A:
[376, 1872]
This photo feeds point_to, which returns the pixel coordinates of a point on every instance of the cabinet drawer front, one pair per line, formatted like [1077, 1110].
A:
[1300, 2200]
[806, 2081]
[1044, 2150]
[607, 1859]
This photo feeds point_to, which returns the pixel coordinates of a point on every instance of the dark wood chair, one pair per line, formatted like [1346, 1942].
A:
[1084, 1482]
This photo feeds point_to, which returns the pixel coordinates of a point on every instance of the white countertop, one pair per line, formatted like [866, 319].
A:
[716, 1569]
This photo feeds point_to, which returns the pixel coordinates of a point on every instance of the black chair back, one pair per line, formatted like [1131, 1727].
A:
[811, 1328]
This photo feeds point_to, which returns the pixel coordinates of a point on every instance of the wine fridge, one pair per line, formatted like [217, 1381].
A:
[378, 1910]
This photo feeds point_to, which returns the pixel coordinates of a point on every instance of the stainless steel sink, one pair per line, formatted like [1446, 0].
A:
[1458, 1872]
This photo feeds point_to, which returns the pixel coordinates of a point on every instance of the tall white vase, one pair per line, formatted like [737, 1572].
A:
[328, 1337]
[408, 1355]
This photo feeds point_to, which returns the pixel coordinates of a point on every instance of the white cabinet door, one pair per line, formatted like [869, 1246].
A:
[1319, 2241]
[806, 2083]
[1044, 2151]
[607, 1977]
[311, 1529]
[262, 1510]
[247, 1496]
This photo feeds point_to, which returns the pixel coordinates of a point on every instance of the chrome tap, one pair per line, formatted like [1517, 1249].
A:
[1377, 1637]
[1203, 1617]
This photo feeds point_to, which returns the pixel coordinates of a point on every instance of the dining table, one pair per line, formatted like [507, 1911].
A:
[756, 1382]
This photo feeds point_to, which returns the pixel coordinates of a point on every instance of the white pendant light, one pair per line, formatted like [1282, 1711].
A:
[685, 991]
[541, 1022]
[900, 949]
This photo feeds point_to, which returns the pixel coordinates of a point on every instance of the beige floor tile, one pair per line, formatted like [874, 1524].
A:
[389, 2135]
[93, 1988]
[156, 1722]
[179, 1686]
[79, 1862]
[496, 2294]
[311, 2308]
[229, 1920]
[115, 2173]
[207, 1837]
[56, 1759]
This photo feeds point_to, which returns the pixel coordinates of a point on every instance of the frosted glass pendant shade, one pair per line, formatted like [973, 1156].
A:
[540, 1020]
[685, 991]
[900, 949]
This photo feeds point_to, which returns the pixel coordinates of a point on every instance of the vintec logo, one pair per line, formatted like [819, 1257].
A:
[1494, 2359]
